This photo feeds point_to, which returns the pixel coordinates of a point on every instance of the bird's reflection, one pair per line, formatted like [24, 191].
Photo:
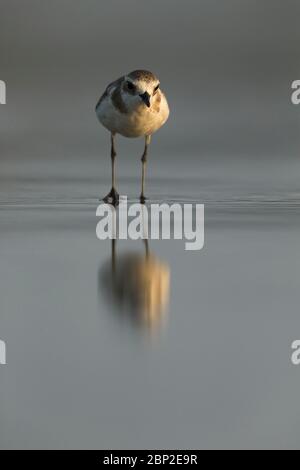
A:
[137, 286]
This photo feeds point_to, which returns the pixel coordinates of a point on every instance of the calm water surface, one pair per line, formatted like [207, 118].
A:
[107, 348]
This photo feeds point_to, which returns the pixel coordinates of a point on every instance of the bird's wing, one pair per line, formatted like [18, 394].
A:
[109, 89]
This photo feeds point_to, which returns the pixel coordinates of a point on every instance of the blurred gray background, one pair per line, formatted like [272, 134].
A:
[226, 68]
[218, 375]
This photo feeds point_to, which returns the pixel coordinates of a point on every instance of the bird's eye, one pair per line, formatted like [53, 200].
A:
[156, 88]
[130, 86]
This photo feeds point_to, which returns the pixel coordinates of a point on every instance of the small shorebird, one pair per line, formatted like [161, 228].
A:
[133, 106]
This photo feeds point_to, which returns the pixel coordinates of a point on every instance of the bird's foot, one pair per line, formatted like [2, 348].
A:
[112, 197]
[143, 199]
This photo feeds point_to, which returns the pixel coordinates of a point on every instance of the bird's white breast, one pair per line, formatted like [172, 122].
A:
[132, 119]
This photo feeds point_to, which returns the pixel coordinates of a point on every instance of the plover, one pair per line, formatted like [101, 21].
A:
[133, 106]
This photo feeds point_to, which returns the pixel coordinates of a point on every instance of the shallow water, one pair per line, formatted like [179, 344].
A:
[135, 346]
[204, 363]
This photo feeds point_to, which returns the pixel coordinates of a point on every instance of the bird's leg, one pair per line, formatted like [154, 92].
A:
[144, 163]
[113, 256]
[146, 244]
[113, 195]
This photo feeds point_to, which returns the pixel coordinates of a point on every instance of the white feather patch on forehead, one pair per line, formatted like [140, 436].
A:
[143, 85]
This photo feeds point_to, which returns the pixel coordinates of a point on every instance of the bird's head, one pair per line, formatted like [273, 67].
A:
[139, 87]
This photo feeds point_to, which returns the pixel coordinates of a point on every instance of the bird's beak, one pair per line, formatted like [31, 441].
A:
[146, 98]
